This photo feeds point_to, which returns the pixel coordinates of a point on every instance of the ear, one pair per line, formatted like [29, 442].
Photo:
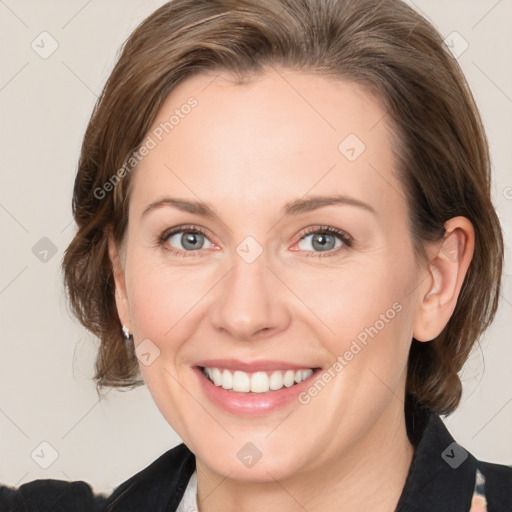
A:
[121, 296]
[448, 263]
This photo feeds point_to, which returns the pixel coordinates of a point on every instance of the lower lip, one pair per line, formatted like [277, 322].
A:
[251, 404]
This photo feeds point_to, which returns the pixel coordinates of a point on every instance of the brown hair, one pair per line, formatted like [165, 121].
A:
[442, 155]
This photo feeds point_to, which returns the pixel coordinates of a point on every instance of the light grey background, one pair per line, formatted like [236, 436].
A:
[46, 362]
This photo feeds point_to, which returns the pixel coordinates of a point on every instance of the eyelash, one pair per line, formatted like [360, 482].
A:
[324, 230]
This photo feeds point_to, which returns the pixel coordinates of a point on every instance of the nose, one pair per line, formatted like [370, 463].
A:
[251, 303]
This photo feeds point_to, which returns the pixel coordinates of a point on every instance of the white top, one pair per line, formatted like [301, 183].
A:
[189, 501]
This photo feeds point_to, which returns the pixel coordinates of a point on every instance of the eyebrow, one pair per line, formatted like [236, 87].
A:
[295, 207]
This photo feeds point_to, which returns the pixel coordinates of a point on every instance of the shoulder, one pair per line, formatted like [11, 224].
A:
[496, 485]
[160, 486]
[445, 476]
[54, 495]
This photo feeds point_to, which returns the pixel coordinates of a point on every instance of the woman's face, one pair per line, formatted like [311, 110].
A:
[277, 240]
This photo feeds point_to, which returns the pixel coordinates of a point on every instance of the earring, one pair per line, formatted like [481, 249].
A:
[126, 333]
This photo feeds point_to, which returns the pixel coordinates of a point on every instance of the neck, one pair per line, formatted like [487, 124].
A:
[370, 476]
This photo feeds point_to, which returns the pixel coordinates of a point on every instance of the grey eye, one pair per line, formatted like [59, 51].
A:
[320, 242]
[189, 240]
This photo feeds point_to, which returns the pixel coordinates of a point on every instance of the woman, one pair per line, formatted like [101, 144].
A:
[286, 233]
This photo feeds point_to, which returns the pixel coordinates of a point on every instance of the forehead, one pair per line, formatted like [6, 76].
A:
[282, 135]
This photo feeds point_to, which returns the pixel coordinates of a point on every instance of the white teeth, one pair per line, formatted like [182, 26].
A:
[289, 378]
[216, 376]
[276, 380]
[258, 382]
[227, 380]
[241, 381]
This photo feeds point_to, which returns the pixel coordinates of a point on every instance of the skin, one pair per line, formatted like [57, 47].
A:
[247, 150]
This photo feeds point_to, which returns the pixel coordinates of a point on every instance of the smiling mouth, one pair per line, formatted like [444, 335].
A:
[256, 382]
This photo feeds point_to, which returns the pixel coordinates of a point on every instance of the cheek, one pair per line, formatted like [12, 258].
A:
[165, 301]
[366, 309]
[164, 309]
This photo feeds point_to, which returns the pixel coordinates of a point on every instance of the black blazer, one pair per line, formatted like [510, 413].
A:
[442, 478]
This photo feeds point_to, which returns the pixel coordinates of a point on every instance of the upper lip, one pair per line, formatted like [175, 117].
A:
[252, 366]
